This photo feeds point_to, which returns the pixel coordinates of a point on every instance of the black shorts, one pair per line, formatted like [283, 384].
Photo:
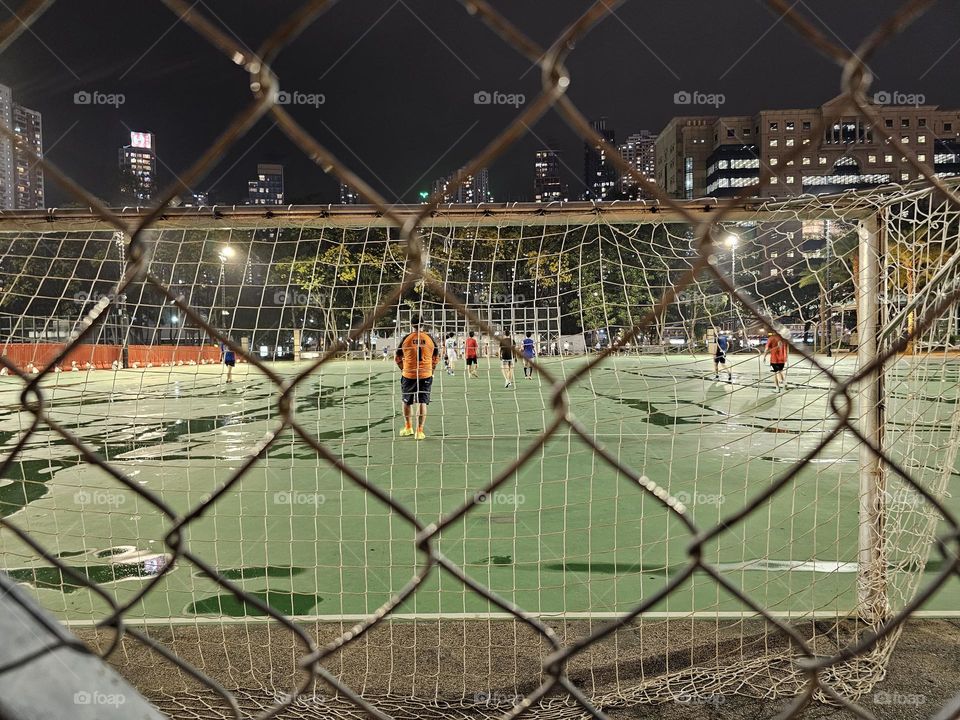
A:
[720, 358]
[415, 390]
[471, 361]
[776, 367]
[230, 362]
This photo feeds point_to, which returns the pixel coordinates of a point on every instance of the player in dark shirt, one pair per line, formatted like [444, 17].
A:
[506, 358]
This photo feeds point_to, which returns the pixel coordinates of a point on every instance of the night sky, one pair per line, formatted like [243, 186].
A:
[399, 78]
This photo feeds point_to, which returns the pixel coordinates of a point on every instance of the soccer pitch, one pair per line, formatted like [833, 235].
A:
[566, 536]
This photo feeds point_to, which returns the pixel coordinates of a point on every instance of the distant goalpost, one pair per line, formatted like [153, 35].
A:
[848, 276]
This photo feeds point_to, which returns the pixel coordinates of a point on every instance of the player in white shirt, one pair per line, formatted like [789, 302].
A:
[451, 345]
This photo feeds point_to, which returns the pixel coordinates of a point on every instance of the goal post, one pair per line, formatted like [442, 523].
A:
[872, 561]
[304, 544]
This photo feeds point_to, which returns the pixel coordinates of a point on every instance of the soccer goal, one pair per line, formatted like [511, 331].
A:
[644, 511]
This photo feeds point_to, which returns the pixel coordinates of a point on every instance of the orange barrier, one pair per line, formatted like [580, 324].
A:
[171, 354]
[101, 357]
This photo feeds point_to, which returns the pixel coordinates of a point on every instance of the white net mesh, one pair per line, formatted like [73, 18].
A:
[567, 538]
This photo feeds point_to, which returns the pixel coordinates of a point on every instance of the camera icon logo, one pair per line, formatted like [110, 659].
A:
[82, 97]
[682, 97]
[482, 97]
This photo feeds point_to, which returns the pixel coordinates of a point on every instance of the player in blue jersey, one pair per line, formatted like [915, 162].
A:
[720, 356]
[529, 353]
[229, 358]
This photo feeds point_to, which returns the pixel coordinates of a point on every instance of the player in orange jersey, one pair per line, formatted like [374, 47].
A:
[777, 347]
[417, 357]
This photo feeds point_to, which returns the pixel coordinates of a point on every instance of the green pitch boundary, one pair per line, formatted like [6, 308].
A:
[435, 617]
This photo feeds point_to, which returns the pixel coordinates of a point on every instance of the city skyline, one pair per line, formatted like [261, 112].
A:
[391, 132]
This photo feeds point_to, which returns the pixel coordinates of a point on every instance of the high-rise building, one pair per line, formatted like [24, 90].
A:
[21, 177]
[28, 174]
[717, 156]
[348, 196]
[547, 185]
[599, 174]
[638, 151]
[473, 190]
[267, 189]
[138, 167]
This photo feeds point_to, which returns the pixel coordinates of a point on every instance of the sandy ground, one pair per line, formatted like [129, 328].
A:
[491, 664]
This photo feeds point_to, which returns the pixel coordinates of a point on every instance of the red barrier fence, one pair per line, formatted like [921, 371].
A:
[40, 354]
[172, 354]
[102, 357]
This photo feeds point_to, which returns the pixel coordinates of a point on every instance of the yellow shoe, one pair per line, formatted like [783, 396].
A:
[406, 432]
[421, 435]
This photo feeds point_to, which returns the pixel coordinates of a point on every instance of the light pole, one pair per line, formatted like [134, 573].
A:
[120, 241]
[732, 240]
[226, 253]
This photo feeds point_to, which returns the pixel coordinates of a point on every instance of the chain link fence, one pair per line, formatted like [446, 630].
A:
[315, 647]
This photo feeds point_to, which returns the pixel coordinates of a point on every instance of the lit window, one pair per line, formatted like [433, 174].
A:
[888, 158]
[774, 180]
[806, 141]
[922, 157]
[789, 126]
[904, 176]
[789, 142]
[790, 253]
[774, 254]
[774, 272]
[773, 142]
[805, 161]
[871, 158]
[821, 160]
[905, 139]
[790, 180]
[774, 161]
[773, 127]
[921, 139]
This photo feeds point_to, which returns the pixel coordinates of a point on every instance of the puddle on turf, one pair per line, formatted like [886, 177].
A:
[288, 603]
[129, 563]
[249, 573]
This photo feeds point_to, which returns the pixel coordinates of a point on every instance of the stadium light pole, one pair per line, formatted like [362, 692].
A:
[732, 241]
[226, 253]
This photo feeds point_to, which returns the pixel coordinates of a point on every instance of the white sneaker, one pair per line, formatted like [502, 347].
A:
[508, 385]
